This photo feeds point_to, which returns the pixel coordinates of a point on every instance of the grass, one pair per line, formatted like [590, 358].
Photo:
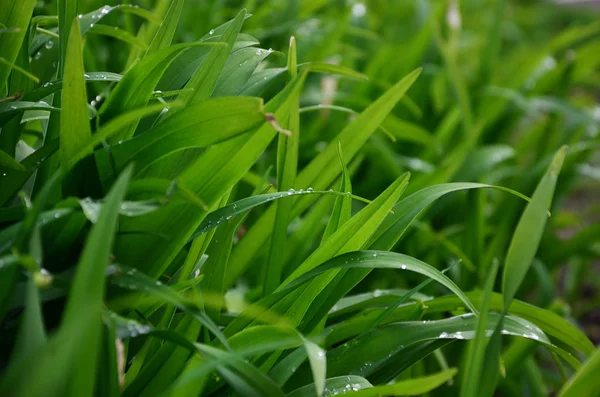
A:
[324, 197]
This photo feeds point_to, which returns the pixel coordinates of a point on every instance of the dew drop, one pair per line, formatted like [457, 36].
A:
[212, 31]
[49, 44]
[259, 51]
[359, 10]
[310, 190]
[443, 335]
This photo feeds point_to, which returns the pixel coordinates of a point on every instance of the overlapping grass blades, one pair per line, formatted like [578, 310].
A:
[185, 212]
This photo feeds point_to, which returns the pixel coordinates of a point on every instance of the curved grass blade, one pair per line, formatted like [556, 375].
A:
[365, 355]
[410, 387]
[134, 280]
[51, 87]
[329, 68]
[199, 125]
[408, 209]
[13, 180]
[119, 34]
[585, 382]
[334, 386]
[113, 127]
[259, 81]
[551, 323]
[8, 110]
[382, 260]
[227, 212]
[89, 20]
[238, 69]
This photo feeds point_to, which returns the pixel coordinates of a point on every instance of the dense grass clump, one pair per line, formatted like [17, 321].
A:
[325, 197]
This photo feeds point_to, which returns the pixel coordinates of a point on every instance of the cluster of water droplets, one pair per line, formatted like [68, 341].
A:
[96, 100]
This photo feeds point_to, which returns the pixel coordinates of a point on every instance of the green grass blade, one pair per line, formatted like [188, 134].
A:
[287, 167]
[342, 209]
[236, 208]
[32, 334]
[473, 369]
[199, 125]
[166, 31]
[89, 20]
[8, 110]
[528, 233]
[375, 347]
[119, 34]
[334, 386]
[134, 280]
[87, 292]
[585, 381]
[7, 161]
[74, 124]
[329, 68]
[407, 210]
[410, 387]
[490, 369]
[204, 79]
[383, 259]
[238, 69]
[51, 87]
[15, 14]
